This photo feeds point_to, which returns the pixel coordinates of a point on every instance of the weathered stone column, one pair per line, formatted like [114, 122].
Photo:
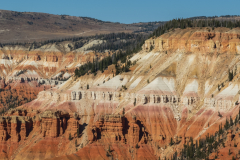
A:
[3, 132]
[152, 98]
[23, 132]
[103, 96]
[55, 127]
[73, 97]
[79, 95]
[143, 99]
[14, 132]
[107, 96]
[133, 132]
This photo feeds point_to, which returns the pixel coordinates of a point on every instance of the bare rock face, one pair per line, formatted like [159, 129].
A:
[15, 128]
[134, 130]
[19, 126]
[109, 128]
[195, 40]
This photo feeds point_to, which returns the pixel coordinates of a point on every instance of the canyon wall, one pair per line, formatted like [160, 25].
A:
[177, 91]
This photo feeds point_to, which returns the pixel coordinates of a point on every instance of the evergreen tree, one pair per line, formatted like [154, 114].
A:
[70, 137]
[230, 75]
[76, 72]
[76, 143]
[231, 121]
[123, 112]
[114, 58]
[171, 142]
[101, 65]
[134, 103]
[117, 69]
[78, 132]
[226, 126]
[137, 146]
[93, 67]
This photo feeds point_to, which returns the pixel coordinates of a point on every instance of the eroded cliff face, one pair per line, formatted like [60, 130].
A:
[48, 62]
[26, 71]
[177, 91]
[36, 133]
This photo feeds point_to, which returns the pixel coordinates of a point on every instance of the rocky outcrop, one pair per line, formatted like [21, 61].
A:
[19, 126]
[109, 128]
[195, 40]
[15, 128]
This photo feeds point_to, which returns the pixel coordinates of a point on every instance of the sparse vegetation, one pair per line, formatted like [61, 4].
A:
[137, 146]
[30, 22]
[78, 132]
[230, 75]
[134, 103]
[124, 87]
[76, 143]
[171, 142]
[202, 148]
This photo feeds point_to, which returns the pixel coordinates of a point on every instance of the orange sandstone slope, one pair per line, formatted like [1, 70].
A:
[175, 91]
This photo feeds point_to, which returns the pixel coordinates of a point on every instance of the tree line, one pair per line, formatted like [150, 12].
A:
[118, 41]
[184, 23]
[101, 65]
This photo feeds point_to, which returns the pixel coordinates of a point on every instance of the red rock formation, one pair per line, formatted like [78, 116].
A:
[133, 132]
[109, 128]
[144, 132]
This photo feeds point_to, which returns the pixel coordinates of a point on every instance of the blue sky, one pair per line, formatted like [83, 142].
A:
[127, 11]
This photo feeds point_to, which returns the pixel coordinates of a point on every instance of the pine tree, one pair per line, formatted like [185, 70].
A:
[137, 146]
[226, 126]
[117, 70]
[101, 65]
[230, 75]
[78, 132]
[70, 137]
[93, 67]
[76, 72]
[114, 58]
[76, 143]
[123, 112]
[104, 65]
[171, 142]
[231, 121]
[134, 103]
